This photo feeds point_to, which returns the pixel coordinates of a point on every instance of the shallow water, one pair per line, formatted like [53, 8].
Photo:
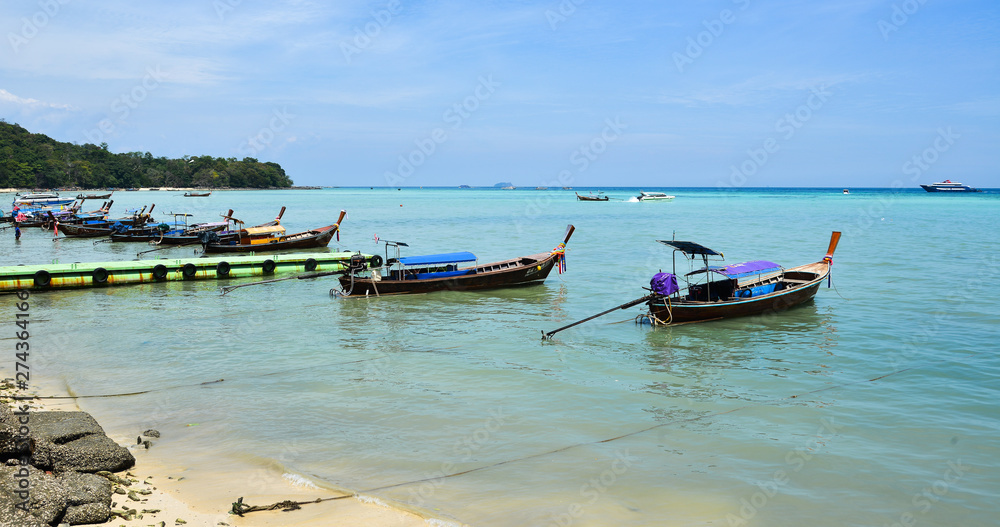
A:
[873, 405]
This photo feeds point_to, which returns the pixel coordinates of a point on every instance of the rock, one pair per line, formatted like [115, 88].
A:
[47, 499]
[7, 415]
[12, 444]
[151, 433]
[91, 453]
[11, 516]
[82, 489]
[43, 454]
[113, 478]
[87, 513]
[62, 427]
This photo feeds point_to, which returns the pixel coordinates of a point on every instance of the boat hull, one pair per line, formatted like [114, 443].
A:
[313, 239]
[949, 189]
[802, 283]
[519, 271]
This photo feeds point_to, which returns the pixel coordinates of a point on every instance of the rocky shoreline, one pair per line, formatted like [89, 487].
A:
[58, 467]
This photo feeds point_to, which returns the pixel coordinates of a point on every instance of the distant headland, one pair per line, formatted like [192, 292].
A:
[37, 161]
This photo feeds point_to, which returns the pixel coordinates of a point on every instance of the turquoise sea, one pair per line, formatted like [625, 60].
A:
[876, 404]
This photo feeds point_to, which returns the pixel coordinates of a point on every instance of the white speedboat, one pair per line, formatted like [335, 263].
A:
[654, 196]
[41, 200]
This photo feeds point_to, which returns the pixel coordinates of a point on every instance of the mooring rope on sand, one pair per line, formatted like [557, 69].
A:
[239, 508]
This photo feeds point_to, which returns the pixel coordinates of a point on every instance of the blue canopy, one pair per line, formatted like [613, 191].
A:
[438, 259]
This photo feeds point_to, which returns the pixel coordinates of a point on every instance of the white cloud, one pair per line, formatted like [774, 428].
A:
[8, 97]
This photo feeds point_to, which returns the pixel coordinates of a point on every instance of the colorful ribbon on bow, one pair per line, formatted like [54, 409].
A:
[560, 252]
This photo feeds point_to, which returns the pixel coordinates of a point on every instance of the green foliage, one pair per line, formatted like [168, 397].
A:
[30, 160]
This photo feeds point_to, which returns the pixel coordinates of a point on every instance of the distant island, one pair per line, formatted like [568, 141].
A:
[464, 186]
[30, 160]
[502, 185]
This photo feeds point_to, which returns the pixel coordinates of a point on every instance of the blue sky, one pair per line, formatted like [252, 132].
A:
[844, 93]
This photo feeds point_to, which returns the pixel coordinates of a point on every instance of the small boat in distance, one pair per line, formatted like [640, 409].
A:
[846, 191]
[509, 187]
[949, 186]
[193, 194]
[654, 196]
[440, 272]
[591, 197]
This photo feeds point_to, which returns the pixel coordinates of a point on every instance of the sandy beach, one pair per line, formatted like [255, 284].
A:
[163, 492]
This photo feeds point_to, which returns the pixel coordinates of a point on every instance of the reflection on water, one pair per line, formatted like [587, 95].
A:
[360, 393]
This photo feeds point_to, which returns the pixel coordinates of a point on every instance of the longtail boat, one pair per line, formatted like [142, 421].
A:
[272, 238]
[591, 197]
[719, 292]
[98, 228]
[94, 196]
[736, 290]
[207, 233]
[197, 194]
[440, 272]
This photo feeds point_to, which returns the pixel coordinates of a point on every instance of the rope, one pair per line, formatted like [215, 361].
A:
[242, 509]
[835, 288]
[153, 390]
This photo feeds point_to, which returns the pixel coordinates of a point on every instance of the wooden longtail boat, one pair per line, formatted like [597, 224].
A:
[273, 238]
[440, 272]
[591, 197]
[197, 194]
[98, 228]
[737, 290]
[94, 196]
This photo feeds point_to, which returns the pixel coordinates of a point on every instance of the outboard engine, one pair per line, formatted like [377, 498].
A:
[357, 263]
[208, 238]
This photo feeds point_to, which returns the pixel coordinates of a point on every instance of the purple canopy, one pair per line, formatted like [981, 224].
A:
[747, 267]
